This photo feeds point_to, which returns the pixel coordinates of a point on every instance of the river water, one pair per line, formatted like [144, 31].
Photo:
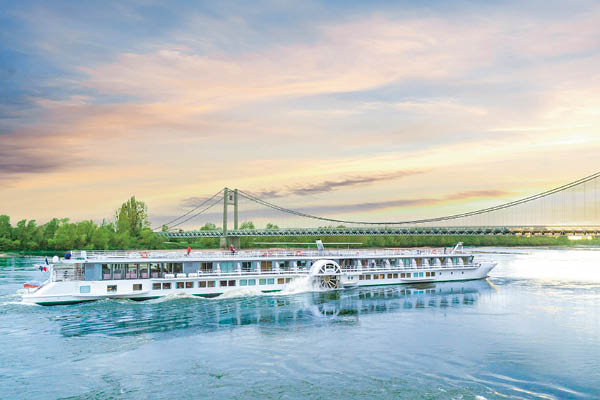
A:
[532, 330]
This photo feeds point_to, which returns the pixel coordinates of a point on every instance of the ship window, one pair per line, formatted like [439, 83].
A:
[223, 283]
[166, 285]
[280, 281]
[288, 280]
[154, 270]
[227, 266]
[179, 285]
[106, 273]
[202, 283]
[382, 276]
[420, 274]
[176, 268]
[395, 275]
[210, 283]
[362, 278]
[266, 266]
[206, 266]
[433, 274]
[262, 281]
[232, 283]
[118, 271]
[111, 288]
[246, 266]
[137, 286]
[251, 282]
[243, 282]
[156, 286]
[402, 275]
[390, 276]
[427, 274]
[271, 281]
[367, 277]
[132, 271]
[189, 285]
[84, 289]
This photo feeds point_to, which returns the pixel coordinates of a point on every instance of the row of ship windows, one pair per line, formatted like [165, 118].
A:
[394, 276]
[201, 284]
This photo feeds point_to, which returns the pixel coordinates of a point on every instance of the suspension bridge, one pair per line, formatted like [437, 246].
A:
[572, 209]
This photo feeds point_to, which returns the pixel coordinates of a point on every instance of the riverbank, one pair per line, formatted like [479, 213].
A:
[357, 242]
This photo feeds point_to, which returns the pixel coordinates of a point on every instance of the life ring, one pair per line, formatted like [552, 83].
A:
[144, 254]
[298, 253]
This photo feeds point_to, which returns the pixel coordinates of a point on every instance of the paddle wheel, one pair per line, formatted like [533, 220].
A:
[326, 274]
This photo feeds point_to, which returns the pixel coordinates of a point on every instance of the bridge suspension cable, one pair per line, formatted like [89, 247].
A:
[168, 224]
[427, 220]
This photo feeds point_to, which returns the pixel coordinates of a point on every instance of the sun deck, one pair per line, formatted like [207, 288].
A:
[79, 255]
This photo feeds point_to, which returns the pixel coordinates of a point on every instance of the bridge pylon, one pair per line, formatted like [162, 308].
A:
[230, 198]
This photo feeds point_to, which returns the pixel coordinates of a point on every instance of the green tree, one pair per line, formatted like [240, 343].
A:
[132, 217]
[247, 225]
[5, 227]
[209, 226]
[271, 226]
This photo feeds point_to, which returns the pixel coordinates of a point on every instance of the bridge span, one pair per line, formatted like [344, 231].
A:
[568, 210]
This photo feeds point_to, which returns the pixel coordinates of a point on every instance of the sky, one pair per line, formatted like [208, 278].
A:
[373, 111]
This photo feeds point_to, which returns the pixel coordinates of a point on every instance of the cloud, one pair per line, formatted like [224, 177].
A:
[267, 194]
[16, 160]
[332, 185]
[476, 193]
[329, 186]
[403, 203]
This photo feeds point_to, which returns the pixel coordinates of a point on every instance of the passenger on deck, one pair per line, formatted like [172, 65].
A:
[232, 249]
[189, 250]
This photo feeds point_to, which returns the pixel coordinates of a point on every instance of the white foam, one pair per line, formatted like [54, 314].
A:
[20, 303]
[300, 285]
[241, 292]
[173, 296]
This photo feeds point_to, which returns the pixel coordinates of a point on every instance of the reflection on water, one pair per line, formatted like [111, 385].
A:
[194, 314]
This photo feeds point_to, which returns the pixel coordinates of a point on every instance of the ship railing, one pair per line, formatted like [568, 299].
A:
[241, 254]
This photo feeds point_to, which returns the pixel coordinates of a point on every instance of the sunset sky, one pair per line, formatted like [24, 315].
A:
[358, 110]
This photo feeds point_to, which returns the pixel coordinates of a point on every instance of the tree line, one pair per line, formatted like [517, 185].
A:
[130, 229]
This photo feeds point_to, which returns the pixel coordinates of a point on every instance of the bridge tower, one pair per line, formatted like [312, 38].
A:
[230, 198]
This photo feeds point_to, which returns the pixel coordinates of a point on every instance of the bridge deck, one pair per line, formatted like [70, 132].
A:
[390, 231]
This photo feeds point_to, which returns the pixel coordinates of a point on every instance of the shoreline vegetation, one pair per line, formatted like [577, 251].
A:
[130, 229]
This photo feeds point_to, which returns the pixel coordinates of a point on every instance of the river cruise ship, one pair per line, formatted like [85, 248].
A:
[140, 275]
